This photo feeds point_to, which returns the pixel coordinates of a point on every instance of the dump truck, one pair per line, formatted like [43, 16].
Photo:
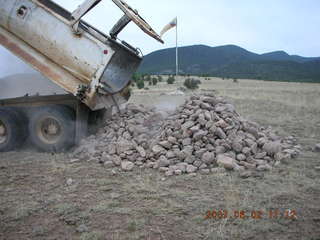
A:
[92, 70]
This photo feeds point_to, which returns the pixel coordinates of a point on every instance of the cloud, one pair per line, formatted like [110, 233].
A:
[258, 26]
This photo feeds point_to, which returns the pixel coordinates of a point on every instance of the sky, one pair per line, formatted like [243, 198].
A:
[258, 26]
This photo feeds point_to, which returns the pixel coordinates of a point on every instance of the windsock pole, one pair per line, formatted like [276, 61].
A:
[177, 61]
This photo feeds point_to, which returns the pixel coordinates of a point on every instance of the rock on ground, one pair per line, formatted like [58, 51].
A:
[201, 134]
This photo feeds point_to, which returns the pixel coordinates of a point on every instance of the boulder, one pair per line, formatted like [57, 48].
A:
[186, 141]
[187, 125]
[199, 135]
[127, 166]
[158, 149]
[163, 161]
[226, 162]
[241, 157]
[272, 147]
[208, 157]
[116, 160]
[220, 133]
[141, 151]
[191, 169]
[265, 167]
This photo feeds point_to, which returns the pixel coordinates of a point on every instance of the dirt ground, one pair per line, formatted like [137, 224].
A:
[38, 199]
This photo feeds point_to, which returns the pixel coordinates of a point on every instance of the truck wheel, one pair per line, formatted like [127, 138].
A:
[52, 128]
[12, 130]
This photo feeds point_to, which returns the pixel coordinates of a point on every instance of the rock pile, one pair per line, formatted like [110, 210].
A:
[205, 134]
[124, 140]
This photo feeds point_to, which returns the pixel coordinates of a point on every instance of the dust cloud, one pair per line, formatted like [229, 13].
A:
[10, 64]
[17, 79]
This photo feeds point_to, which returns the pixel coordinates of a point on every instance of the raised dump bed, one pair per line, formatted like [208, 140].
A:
[91, 67]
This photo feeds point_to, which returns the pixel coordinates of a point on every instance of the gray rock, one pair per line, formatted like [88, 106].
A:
[187, 150]
[220, 149]
[249, 142]
[260, 155]
[203, 166]
[260, 162]
[150, 164]
[265, 167]
[220, 133]
[182, 167]
[127, 136]
[317, 147]
[165, 144]
[237, 146]
[204, 171]
[208, 157]
[192, 174]
[239, 168]
[170, 154]
[218, 170]
[197, 163]
[69, 181]
[249, 165]
[180, 155]
[172, 140]
[200, 152]
[272, 147]
[206, 106]
[262, 141]
[199, 135]
[127, 166]
[158, 149]
[74, 160]
[141, 151]
[221, 123]
[195, 129]
[108, 164]
[190, 159]
[116, 160]
[82, 228]
[123, 146]
[207, 116]
[139, 163]
[241, 157]
[226, 162]
[186, 141]
[279, 156]
[245, 174]
[169, 173]
[163, 169]
[191, 169]
[246, 151]
[187, 125]
[254, 148]
[163, 161]
[231, 154]
[210, 100]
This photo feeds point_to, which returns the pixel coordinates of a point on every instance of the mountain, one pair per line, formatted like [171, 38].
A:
[233, 61]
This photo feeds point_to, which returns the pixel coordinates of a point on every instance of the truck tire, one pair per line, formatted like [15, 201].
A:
[52, 129]
[12, 130]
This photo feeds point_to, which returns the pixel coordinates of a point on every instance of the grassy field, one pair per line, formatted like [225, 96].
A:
[37, 203]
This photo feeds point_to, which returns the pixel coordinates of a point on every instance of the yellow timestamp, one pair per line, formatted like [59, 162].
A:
[251, 214]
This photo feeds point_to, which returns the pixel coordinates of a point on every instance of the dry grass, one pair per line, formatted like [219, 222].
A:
[36, 203]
